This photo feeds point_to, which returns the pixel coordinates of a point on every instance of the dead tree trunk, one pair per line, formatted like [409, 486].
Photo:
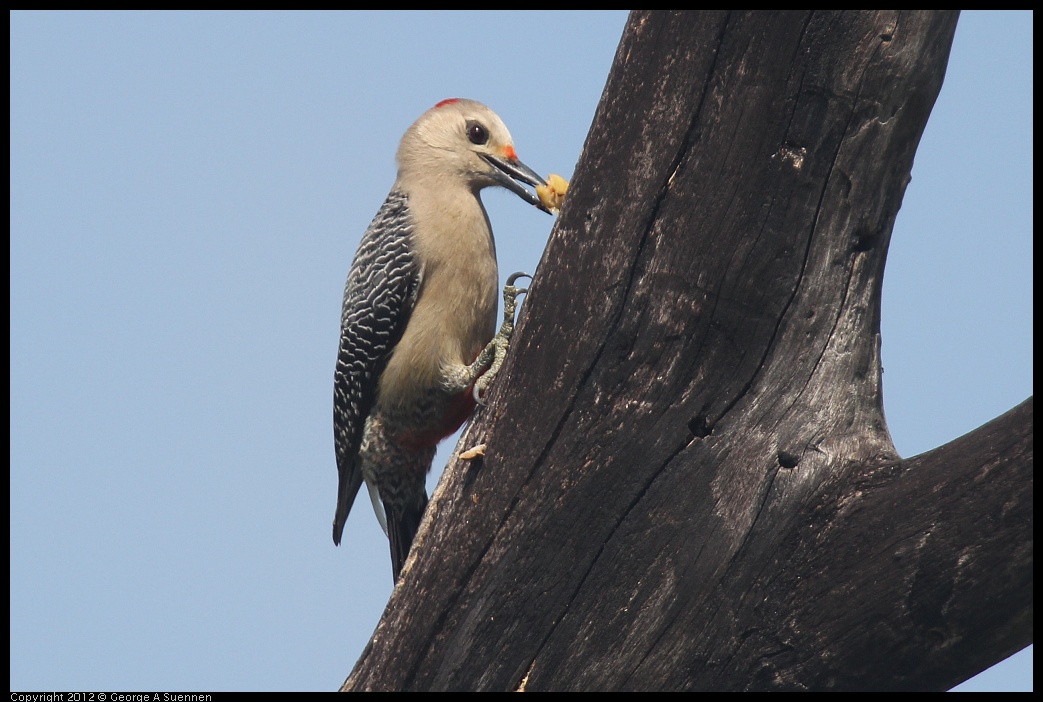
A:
[689, 483]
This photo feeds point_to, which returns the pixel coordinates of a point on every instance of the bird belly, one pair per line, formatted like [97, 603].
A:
[424, 393]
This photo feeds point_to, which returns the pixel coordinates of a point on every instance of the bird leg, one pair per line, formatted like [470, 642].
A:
[496, 350]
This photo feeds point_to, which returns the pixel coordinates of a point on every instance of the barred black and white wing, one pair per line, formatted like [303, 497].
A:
[378, 299]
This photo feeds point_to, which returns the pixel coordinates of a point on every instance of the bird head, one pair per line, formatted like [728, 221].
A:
[464, 140]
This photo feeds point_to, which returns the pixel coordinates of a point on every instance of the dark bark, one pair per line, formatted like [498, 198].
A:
[689, 482]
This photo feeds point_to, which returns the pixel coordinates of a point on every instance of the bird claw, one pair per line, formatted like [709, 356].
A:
[510, 302]
[499, 351]
[476, 393]
[512, 292]
[514, 276]
[500, 342]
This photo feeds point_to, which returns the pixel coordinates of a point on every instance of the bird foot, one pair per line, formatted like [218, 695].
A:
[500, 343]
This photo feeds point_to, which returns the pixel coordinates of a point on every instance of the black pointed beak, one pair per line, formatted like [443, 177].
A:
[508, 172]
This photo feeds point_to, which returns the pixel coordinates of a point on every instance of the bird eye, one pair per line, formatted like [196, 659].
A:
[476, 133]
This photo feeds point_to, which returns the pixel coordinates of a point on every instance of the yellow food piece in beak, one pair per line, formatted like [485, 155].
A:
[553, 193]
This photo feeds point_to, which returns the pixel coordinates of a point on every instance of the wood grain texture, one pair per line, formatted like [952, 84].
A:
[689, 482]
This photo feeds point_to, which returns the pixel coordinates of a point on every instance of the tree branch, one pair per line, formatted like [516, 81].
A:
[689, 482]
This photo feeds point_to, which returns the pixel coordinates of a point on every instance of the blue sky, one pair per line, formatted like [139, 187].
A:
[187, 192]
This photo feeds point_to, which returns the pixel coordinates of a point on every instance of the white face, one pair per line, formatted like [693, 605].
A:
[450, 139]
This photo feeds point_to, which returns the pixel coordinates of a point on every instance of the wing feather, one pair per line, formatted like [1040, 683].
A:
[378, 300]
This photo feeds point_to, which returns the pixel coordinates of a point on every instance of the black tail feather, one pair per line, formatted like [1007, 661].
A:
[402, 529]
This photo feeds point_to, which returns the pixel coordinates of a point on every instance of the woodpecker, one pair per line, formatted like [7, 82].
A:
[419, 315]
